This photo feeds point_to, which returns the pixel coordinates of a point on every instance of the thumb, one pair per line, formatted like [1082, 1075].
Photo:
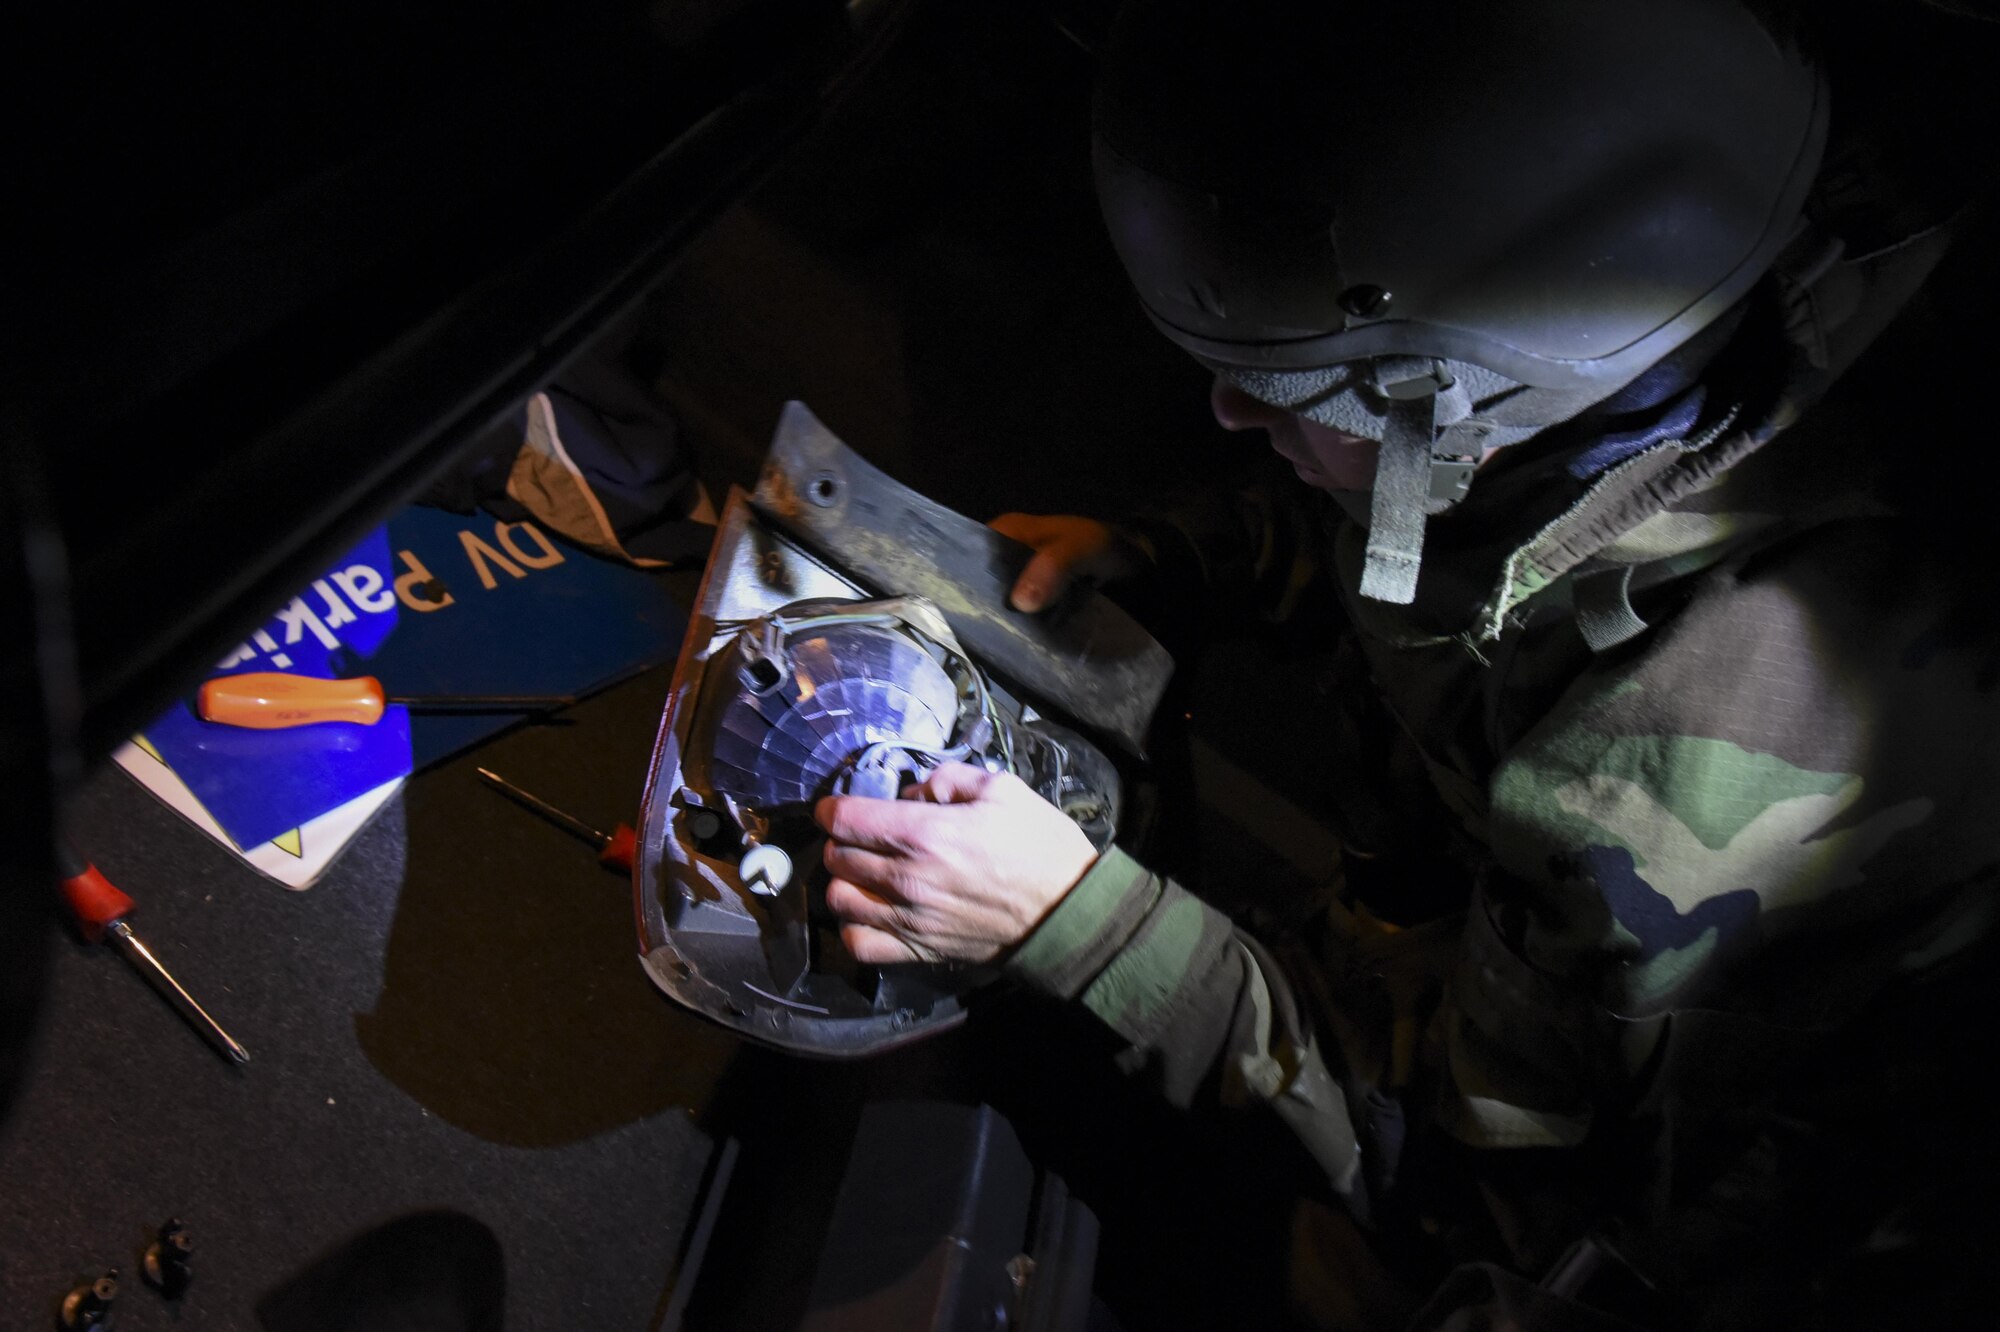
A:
[1044, 579]
[951, 784]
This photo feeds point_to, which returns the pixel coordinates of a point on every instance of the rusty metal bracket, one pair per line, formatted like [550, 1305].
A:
[1084, 657]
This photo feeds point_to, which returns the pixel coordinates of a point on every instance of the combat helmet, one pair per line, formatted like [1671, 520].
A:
[1448, 225]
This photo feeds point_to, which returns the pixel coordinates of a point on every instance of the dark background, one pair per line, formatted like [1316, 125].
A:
[453, 1017]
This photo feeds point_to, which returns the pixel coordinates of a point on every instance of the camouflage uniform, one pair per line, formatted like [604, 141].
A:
[1716, 723]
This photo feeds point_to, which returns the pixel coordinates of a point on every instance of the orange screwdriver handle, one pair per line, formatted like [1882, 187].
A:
[619, 849]
[272, 701]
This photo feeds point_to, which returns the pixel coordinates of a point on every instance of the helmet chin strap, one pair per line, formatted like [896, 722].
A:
[1422, 395]
[1433, 439]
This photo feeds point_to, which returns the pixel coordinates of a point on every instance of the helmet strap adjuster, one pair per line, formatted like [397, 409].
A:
[1451, 478]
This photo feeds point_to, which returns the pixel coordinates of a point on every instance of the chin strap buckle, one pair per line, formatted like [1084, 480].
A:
[1410, 379]
[1405, 378]
[1451, 478]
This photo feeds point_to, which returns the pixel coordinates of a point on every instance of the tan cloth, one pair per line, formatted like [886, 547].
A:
[548, 483]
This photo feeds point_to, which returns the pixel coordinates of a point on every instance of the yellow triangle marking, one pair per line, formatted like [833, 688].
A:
[290, 843]
[147, 745]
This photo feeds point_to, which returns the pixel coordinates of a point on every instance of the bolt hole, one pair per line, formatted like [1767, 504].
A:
[822, 489]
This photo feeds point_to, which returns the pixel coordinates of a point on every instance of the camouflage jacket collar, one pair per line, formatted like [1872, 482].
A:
[1637, 513]
[1622, 519]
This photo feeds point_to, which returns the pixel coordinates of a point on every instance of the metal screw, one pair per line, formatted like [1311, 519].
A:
[166, 1265]
[1366, 301]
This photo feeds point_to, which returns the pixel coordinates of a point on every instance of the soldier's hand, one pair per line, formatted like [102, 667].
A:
[1066, 548]
[960, 869]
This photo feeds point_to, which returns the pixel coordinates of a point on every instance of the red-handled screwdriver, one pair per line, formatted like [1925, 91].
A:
[100, 908]
[614, 849]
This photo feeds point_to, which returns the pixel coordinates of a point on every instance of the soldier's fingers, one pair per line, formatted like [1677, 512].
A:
[1023, 527]
[878, 947]
[950, 784]
[1047, 577]
[889, 826]
[856, 905]
[879, 874]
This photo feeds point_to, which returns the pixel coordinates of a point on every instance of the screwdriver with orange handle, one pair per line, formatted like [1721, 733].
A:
[99, 908]
[615, 849]
[275, 700]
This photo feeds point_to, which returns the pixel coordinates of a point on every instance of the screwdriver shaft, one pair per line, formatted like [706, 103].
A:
[496, 702]
[278, 700]
[548, 811]
[120, 934]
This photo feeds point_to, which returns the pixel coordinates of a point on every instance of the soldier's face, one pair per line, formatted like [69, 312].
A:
[1324, 458]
